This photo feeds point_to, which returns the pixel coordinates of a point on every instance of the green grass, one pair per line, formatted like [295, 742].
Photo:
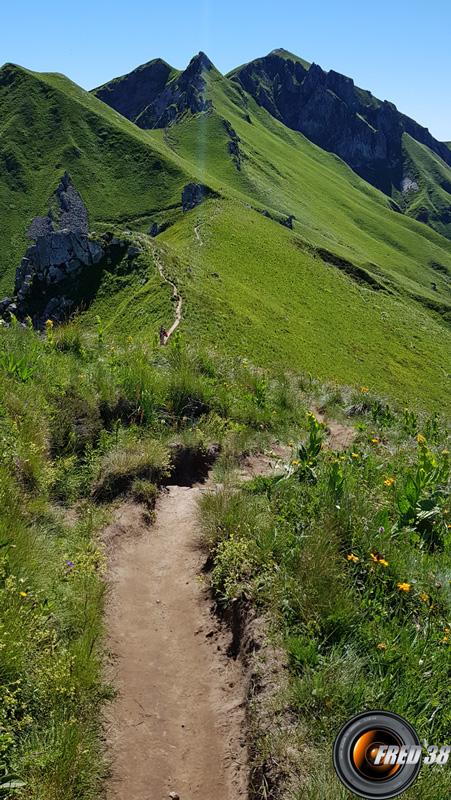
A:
[87, 419]
[276, 299]
[276, 303]
[49, 125]
[355, 579]
[433, 177]
[90, 413]
[431, 172]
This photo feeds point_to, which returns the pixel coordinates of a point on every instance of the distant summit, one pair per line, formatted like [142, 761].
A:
[377, 141]
[335, 114]
[155, 94]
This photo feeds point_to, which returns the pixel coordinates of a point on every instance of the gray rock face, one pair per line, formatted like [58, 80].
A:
[133, 252]
[73, 214]
[233, 144]
[338, 116]
[193, 194]
[50, 276]
[152, 98]
[61, 267]
[40, 226]
[67, 212]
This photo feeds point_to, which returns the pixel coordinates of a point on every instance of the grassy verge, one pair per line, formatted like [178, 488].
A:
[349, 555]
[83, 421]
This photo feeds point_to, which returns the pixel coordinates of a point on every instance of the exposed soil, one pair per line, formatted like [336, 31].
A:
[197, 235]
[339, 436]
[178, 721]
[177, 726]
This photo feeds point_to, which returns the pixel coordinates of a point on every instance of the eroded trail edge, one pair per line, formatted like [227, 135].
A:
[177, 724]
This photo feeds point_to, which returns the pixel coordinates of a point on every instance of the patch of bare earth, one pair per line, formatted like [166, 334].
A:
[339, 436]
[185, 711]
[177, 724]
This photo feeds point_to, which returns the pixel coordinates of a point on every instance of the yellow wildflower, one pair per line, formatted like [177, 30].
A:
[364, 389]
[375, 440]
[389, 481]
[352, 557]
[421, 439]
[424, 597]
[403, 586]
[378, 559]
[23, 594]
[295, 462]
[355, 455]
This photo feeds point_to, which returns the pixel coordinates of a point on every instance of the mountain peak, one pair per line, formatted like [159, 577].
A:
[280, 52]
[199, 63]
[9, 71]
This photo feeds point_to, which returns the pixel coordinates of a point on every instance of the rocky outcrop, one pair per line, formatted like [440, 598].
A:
[131, 94]
[155, 95]
[67, 212]
[233, 144]
[182, 94]
[287, 222]
[330, 110]
[193, 194]
[50, 278]
[62, 269]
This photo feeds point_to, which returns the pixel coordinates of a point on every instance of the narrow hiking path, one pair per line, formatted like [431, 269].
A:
[197, 234]
[175, 294]
[339, 436]
[177, 724]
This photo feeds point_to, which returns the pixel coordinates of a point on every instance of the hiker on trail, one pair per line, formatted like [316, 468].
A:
[163, 335]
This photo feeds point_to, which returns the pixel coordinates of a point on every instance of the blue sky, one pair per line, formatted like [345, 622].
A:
[399, 49]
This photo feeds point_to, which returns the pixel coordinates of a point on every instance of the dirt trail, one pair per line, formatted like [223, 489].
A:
[199, 239]
[177, 723]
[175, 293]
[339, 436]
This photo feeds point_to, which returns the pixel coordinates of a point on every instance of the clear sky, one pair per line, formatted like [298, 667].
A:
[399, 49]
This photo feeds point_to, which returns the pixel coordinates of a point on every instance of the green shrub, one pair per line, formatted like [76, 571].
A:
[75, 422]
[146, 459]
[144, 492]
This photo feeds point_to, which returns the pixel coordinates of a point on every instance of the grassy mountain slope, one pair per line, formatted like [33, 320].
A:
[277, 303]
[349, 555]
[338, 294]
[430, 200]
[48, 125]
[335, 210]
[367, 133]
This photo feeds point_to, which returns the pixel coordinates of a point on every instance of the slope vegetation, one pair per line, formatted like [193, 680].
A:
[370, 135]
[48, 125]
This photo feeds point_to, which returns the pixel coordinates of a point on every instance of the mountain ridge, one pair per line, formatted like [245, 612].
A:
[327, 107]
[280, 251]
